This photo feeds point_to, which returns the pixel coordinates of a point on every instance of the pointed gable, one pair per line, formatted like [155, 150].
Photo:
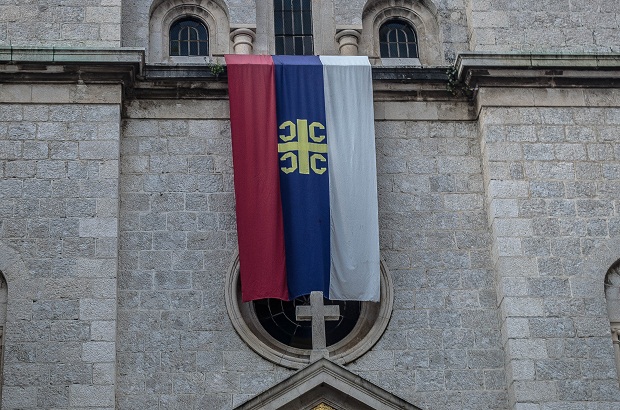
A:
[325, 385]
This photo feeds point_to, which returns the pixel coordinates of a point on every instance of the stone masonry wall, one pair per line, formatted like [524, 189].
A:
[59, 211]
[442, 348]
[177, 348]
[544, 26]
[552, 176]
[86, 23]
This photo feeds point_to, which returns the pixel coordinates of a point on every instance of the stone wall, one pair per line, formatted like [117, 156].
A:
[543, 26]
[58, 242]
[552, 178]
[177, 346]
[86, 23]
[442, 348]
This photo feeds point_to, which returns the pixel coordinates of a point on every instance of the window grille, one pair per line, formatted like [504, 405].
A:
[278, 318]
[293, 27]
[189, 37]
[397, 39]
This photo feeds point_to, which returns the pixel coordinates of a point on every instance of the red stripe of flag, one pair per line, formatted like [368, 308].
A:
[251, 89]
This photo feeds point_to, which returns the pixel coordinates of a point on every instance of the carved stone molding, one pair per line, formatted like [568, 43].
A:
[243, 40]
[348, 42]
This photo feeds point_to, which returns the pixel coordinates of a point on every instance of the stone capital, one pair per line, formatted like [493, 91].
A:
[243, 40]
[348, 42]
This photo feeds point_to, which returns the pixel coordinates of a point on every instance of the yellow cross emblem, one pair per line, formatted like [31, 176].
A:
[309, 147]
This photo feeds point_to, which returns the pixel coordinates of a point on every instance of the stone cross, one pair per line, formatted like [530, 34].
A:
[318, 313]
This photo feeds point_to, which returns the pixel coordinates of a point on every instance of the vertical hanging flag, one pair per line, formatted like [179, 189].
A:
[305, 176]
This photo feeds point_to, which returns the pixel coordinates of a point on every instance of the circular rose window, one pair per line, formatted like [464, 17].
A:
[271, 329]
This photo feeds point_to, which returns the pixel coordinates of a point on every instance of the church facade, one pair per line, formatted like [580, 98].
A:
[497, 128]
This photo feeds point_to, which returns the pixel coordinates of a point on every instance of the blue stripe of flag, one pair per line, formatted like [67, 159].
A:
[304, 182]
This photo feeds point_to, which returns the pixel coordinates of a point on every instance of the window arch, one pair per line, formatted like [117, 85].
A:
[612, 296]
[3, 305]
[397, 39]
[188, 37]
[381, 17]
[212, 15]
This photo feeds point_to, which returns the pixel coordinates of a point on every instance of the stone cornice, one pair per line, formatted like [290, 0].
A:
[140, 81]
[126, 66]
[549, 70]
[70, 65]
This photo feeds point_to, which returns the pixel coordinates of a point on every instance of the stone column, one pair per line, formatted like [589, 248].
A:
[348, 42]
[243, 39]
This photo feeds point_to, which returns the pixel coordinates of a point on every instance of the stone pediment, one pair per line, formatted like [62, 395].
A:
[325, 385]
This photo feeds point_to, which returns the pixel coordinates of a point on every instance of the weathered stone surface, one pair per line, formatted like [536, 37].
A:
[57, 204]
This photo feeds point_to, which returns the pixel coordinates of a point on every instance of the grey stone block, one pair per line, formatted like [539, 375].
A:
[104, 374]
[155, 260]
[485, 359]
[206, 240]
[464, 379]
[71, 373]
[59, 352]
[97, 309]
[548, 287]
[98, 352]
[135, 280]
[557, 369]
[188, 260]
[15, 397]
[586, 327]
[429, 380]
[173, 279]
[547, 189]
[155, 300]
[90, 396]
[168, 240]
[136, 240]
[16, 352]
[163, 202]
[178, 361]
[98, 227]
[55, 310]
[70, 331]
[103, 330]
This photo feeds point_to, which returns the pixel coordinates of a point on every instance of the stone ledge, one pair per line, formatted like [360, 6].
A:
[573, 60]
[539, 70]
[60, 94]
[17, 55]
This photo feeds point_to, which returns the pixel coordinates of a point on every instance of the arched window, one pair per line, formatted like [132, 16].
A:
[169, 19]
[293, 27]
[397, 39]
[3, 305]
[189, 37]
[612, 295]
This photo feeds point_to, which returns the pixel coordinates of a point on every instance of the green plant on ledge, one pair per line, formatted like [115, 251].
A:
[456, 86]
[216, 69]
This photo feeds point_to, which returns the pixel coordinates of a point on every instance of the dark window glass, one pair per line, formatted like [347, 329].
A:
[293, 27]
[397, 39]
[279, 320]
[189, 37]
